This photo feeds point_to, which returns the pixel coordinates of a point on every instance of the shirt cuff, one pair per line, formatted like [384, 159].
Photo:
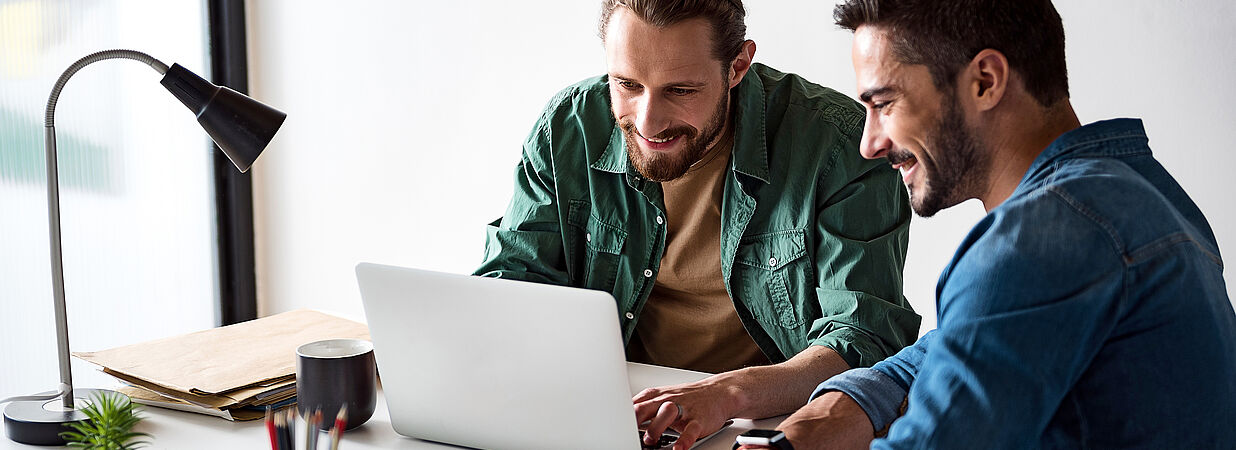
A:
[854, 347]
[877, 393]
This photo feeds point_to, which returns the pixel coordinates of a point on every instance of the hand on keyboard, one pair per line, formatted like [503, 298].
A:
[667, 439]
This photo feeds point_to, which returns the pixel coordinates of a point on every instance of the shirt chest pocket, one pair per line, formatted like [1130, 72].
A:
[772, 271]
[596, 249]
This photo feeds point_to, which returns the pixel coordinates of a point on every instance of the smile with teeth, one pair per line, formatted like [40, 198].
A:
[907, 169]
[660, 141]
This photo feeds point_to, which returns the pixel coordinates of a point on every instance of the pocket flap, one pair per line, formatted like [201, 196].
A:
[598, 235]
[771, 251]
[604, 237]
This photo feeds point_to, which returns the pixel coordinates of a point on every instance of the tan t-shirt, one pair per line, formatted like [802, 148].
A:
[689, 321]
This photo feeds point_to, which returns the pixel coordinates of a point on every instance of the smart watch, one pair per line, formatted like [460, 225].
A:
[768, 438]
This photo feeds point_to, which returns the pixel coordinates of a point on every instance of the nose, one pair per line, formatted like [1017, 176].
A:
[875, 143]
[651, 115]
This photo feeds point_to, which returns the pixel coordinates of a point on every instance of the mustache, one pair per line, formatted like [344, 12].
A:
[683, 130]
[899, 156]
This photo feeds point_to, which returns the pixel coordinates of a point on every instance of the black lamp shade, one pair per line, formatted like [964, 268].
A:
[239, 125]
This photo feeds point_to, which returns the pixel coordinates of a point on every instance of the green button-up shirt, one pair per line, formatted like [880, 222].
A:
[813, 236]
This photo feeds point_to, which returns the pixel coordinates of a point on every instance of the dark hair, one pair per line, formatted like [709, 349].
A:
[729, 29]
[945, 35]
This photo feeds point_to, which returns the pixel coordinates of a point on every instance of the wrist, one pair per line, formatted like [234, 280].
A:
[737, 386]
[766, 391]
[834, 415]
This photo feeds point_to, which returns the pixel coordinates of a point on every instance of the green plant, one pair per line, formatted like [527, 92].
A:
[109, 427]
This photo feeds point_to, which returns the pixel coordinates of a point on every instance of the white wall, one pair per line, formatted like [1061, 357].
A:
[405, 120]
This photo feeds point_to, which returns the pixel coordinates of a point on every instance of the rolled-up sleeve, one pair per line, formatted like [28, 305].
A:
[880, 389]
[862, 232]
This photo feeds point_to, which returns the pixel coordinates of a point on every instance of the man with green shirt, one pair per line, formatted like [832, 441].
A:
[725, 207]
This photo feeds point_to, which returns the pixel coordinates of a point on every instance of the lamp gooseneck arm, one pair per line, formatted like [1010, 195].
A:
[53, 206]
[93, 58]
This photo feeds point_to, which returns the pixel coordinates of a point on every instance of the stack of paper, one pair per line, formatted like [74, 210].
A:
[233, 372]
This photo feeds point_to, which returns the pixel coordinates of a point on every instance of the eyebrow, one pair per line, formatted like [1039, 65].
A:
[866, 95]
[688, 84]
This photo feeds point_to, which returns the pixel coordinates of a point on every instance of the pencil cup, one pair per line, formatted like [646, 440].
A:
[333, 373]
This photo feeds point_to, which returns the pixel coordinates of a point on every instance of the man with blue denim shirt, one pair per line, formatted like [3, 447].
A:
[1087, 309]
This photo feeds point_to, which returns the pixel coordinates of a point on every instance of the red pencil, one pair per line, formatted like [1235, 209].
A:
[341, 421]
[270, 429]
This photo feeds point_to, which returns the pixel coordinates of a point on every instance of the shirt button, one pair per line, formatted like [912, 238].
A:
[588, 237]
[660, 220]
[630, 316]
[647, 273]
[772, 262]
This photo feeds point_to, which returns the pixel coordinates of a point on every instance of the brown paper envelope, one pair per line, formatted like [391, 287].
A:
[227, 358]
[148, 398]
[225, 400]
[242, 415]
[269, 400]
[145, 397]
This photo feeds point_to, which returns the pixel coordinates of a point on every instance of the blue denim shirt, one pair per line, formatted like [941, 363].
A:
[1088, 310]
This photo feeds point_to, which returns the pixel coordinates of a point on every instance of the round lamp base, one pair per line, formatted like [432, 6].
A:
[41, 422]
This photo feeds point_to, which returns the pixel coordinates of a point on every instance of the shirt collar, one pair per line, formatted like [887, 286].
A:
[750, 146]
[1119, 137]
[750, 154]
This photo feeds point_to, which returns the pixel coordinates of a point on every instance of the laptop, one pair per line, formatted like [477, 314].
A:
[492, 363]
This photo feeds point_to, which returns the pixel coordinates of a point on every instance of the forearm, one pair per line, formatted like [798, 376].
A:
[880, 396]
[831, 421]
[767, 391]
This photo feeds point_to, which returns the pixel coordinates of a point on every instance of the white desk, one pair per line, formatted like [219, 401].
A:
[182, 430]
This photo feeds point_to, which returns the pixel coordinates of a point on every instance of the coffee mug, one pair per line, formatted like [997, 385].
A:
[333, 373]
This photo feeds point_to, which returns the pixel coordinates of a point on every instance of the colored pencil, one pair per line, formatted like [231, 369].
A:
[281, 431]
[315, 427]
[270, 429]
[291, 430]
[336, 433]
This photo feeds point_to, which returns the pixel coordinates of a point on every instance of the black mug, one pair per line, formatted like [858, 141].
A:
[333, 373]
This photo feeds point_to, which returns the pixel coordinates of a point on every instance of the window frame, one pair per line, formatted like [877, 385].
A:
[237, 279]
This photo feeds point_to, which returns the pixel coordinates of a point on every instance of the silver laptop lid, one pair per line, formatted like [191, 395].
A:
[493, 363]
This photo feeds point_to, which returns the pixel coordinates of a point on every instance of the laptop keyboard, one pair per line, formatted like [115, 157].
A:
[670, 436]
[667, 439]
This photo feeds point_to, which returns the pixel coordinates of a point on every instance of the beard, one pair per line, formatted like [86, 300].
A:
[958, 169]
[665, 166]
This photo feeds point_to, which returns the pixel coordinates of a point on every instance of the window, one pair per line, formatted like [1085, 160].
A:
[137, 193]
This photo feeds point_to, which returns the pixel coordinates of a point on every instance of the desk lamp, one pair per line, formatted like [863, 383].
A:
[239, 125]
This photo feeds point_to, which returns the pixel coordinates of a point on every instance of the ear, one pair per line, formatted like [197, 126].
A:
[986, 79]
[742, 63]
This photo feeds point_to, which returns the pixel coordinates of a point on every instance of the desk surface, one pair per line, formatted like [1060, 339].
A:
[182, 430]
